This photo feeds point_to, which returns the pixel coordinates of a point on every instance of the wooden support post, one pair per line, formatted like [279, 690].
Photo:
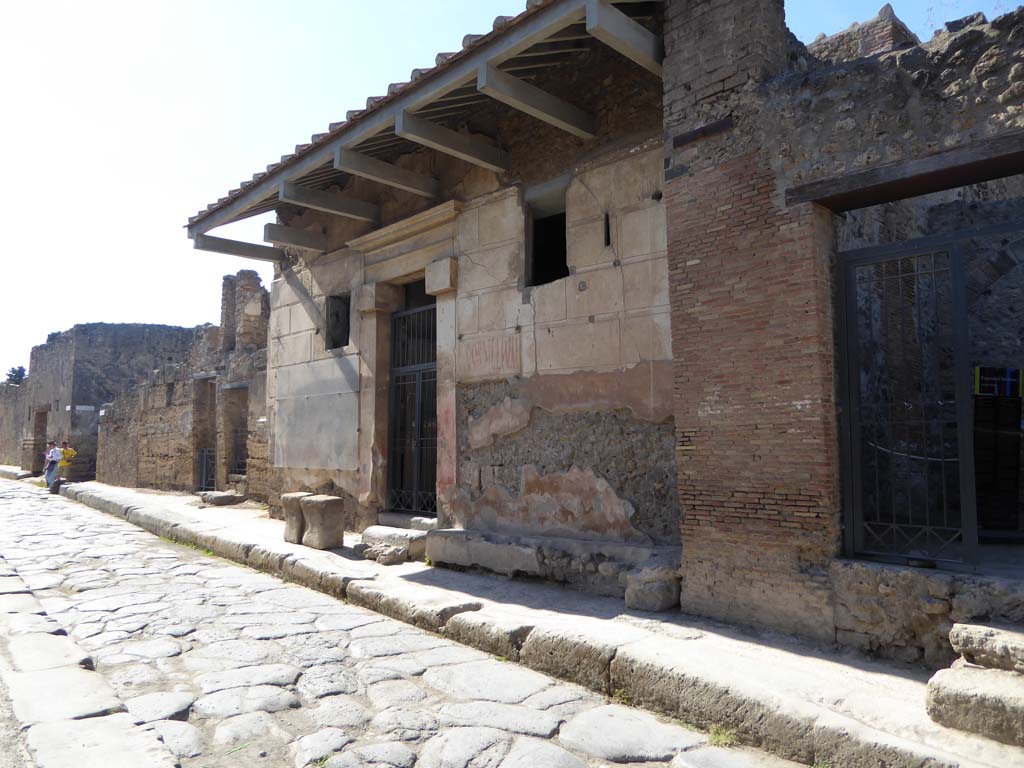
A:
[278, 234]
[237, 248]
[328, 202]
[384, 173]
[530, 99]
[616, 30]
[449, 142]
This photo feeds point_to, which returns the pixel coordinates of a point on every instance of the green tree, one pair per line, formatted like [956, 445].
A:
[16, 375]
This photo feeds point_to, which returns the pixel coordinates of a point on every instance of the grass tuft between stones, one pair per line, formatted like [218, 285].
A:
[719, 736]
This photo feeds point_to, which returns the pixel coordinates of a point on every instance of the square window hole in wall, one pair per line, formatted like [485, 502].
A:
[545, 232]
[336, 334]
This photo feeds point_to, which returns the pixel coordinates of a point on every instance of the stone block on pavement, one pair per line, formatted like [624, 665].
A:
[294, 523]
[162, 705]
[97, 742]
[989, 646]
[65, 693]
[324, 518]
[415, 541]
[221, 498]
[625, 735]
[34, 652]
[12, 585]
[989, 702]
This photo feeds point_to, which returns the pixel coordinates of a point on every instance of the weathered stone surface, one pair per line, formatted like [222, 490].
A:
[326, 680]
[576, 651]
[65, 693]
[647, 595]
[405, 724]
[237, 701]
[386, 554]
[19, 604]
[221, 498]
[720, 757]
[33, 652]
[625, 735]
[294, 522]
[28, 623]
[251, 726]
[506, 717]
[163, 648]
[340, 712]
[182, 739]
[388, 755]
[12, 585]
[465, 748]
[506, 418]
[97, 742]
[394, 693]
[242, 677]
[162, 705]
[989, 646]
[316, 746]
[490, 631]
[985, 701]
[324, 521]
[532, 753]
[487, 681]
[414, 541]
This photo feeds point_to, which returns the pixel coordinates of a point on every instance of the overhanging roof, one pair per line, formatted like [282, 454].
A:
[546, 34]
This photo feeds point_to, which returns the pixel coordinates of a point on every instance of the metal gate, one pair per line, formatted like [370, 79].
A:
[412, 439]
[207, 480]
[908, 415]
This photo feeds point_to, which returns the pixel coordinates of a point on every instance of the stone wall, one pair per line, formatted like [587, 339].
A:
[151, 435]
[748, 116]
[12, 418]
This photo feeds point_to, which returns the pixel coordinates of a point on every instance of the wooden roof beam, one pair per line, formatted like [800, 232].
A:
[328, 202]
[371, 168]
[237, 248]
[280, 235]
[530, 99]
[450, 142]
[619, 32]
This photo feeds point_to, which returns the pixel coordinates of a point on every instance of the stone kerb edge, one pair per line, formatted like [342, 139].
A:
[795, 734]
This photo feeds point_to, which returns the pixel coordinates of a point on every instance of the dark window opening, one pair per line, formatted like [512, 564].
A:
[607, 230]
[415, 295]
[547, 250]
[337, 332]
[169, 401]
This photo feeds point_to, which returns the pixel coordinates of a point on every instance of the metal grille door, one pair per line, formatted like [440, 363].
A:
[412, 444]
[909, 406]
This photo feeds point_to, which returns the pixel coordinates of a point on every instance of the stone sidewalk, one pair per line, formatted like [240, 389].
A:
[797, 701]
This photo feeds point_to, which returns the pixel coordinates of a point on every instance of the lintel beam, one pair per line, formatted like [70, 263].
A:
[619, 32]
[237, 248]
[530, 99]
[371, 168]
[328, 202]
[450, 142]
[280, 235]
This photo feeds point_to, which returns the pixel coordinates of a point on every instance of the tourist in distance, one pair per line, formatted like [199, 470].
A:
[53, 457]
[67, 453]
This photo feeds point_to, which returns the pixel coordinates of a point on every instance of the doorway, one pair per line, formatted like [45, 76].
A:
[933, 393]
[39, 424]
[412, 434]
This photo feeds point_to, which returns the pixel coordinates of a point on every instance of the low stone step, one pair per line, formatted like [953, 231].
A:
[405, 520]
[221, 498]
[416, 541]
[989, 702]
[987, 645]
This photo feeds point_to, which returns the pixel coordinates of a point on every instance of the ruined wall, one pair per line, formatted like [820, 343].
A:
[12, 419]
[151, 435]
[751, 277]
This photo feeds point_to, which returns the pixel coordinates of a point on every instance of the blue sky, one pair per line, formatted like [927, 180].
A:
[122, 118]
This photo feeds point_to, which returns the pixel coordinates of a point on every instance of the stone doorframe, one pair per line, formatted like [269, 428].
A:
[421, 247]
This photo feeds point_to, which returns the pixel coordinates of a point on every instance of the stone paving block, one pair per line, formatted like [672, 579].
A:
[19, 604]
[161, 705]
[263, 674]
[507, 717]
[259, 726]
[625, 735]
[60, 694]
[28, 623]
[985, 701]
[12, 585]
[237, 701]
[487, 681]
[316, 746]
[533, 753]
[97, 742]
[33, 652]
[182, 739]
[387, 755]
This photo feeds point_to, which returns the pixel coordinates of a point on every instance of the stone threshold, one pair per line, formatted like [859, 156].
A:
[798, 701]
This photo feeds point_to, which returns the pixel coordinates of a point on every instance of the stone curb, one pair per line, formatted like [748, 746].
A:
[619, 662]
[13, 473]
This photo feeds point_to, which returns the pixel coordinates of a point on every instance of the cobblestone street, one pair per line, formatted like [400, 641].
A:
[231, 667]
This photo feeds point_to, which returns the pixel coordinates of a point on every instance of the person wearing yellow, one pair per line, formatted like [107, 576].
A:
[67, 453]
